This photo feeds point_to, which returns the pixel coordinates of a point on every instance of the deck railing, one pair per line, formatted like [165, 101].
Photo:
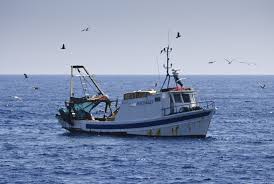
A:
[187, 107]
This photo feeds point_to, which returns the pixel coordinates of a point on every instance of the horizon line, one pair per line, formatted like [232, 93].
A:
[243, 74]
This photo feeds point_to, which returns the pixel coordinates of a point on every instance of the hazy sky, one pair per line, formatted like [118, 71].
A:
[126, 36]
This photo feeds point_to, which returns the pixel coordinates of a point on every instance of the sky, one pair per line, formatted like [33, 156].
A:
[126, 36]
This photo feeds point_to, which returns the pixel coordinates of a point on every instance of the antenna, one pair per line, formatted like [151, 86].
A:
[158, 79]
[167, 50]
[158, 69]
[168, 43]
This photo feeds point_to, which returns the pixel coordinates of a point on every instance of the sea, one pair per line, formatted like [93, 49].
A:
[239, 146]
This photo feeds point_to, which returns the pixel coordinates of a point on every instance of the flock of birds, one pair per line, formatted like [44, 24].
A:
[83, 30]
[63, 47]
[87, 29]
[178, 35]
[230, 61]
[34, 87]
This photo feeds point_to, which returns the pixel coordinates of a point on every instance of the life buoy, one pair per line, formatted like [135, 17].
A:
[178, 88]
[103, 98]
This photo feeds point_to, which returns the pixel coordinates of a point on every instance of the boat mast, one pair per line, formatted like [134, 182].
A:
[167, 50]
[71, 82]
[78, 67]
[94, 82]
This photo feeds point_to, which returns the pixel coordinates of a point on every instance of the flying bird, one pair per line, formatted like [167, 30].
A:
[211, 62]
[86, 29]
[178, 35]
[163, 50]
[63, 46]
[229, 61]
[17, 97]
[247, 63]
[262, 85]
[26, 76]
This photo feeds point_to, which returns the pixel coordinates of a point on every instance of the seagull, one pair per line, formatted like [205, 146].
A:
[163, 50]
[26, 76]
[211, 62]
[178, 35]
[63, 46]
[17, 97]
[262, 85]
[248, 63]
[229, 61]
[86, 29]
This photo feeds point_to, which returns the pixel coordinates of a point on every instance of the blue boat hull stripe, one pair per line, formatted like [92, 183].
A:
[147, 124]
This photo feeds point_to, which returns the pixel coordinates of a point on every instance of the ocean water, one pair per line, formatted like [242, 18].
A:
[239, 147]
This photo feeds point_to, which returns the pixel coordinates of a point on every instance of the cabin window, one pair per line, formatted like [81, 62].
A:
[177, 98]
[186, 98]
[157, 99]
[192, 98]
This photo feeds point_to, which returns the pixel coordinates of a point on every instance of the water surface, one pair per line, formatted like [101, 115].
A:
[238, 149]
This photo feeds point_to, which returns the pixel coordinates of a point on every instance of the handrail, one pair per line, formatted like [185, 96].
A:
[188, 107]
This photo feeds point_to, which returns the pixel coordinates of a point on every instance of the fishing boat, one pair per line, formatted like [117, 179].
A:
[173, 110]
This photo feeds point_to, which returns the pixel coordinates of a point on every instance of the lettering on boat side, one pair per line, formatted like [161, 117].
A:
[145, 102]
[139, 102]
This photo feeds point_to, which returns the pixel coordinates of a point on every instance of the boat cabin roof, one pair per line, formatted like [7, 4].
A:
[146, 93]
[178, 89]
[93, 99]
[138, 94]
